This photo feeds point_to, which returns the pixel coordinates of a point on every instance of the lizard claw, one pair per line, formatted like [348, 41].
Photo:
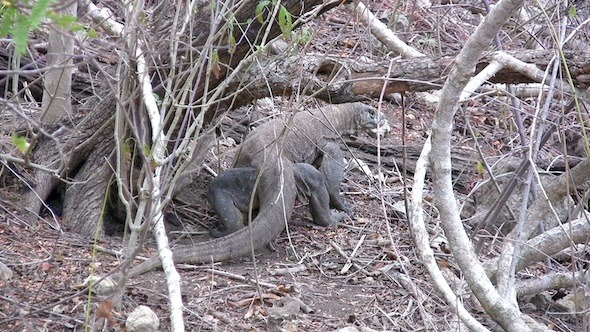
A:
[338, 216]
[349, 211]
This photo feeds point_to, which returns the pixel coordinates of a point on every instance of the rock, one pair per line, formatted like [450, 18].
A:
[572, 302]
[142, 319]
[485, 195]
[354, 329]
[105, 287]
[541, 301]
[5, 272]
[348, 329]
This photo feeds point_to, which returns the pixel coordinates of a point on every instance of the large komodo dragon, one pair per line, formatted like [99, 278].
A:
[281, 152]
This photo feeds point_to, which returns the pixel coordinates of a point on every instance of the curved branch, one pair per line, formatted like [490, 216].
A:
[502, 310]
[423, 246]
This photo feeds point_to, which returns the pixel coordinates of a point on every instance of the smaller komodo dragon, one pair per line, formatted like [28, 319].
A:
[282, 153]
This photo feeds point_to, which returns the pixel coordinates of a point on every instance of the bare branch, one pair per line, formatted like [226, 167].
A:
[383, 33]
[421, 239]
[502, 310]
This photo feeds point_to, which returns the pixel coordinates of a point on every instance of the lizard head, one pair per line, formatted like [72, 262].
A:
[370, 120]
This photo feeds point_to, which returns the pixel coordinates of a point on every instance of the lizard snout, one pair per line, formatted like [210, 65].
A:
[382, 127]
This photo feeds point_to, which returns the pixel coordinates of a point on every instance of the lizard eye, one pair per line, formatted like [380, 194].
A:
[372, 114]
[375, 115]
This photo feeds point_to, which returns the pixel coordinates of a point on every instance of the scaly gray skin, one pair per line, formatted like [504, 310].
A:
[277, 150]
[230, 193]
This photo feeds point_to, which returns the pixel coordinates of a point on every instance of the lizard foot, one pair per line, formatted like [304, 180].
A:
[338, 216]
[349, 211]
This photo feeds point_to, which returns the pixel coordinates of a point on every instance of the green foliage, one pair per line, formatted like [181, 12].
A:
[231, 40]
[157, 99]
[38, 13]
[18, 23]
[573, 11]
[147, 151]
[92, 33]
[303, 37]
[67, 22]
[20, 142]
[20, 33]
[215, 68]
[285, 22]
[285, 18]
[6, 13]
[480, 168]
[259, 9]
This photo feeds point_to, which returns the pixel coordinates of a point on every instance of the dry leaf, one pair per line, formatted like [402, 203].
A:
[45, 266]
[105, 309]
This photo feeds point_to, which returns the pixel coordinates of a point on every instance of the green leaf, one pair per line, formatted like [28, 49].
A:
[303, 37]
[76, 27]
[7, 21]
[480, 168]
[157, 99]
[285, 22]
[232, 43]
[38, 13]
[20, 142]
[215, 68]
[573, 12]
[64, 21]
[92, 33]
[20, 33]
[148, 151]
[259, 9]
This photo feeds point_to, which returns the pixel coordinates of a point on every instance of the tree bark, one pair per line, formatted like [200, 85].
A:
[57, 100]
[342, 79]
[66, 149]
[90, 186]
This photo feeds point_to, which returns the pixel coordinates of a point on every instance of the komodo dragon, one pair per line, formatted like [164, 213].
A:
[282, 152]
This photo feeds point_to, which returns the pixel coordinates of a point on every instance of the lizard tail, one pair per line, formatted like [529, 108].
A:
[277, 198]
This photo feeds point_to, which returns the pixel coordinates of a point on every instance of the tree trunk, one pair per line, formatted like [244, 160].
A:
[65, 151]
[84, 210]
[343, 79]
[57, 100]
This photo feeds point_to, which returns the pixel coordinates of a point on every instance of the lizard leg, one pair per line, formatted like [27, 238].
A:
[229, 195]
[332, 168]
[310, 183]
